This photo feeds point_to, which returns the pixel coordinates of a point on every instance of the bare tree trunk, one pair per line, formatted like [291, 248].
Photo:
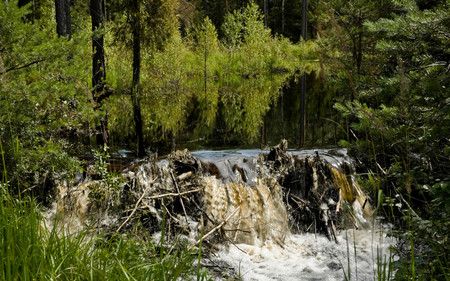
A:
[359, 50]
[303, 80]
[98, 51]
[283, 21]
[302, 110]
[98, 64]
[135, 100]
[304, 18]
[265, 13]
[205, 7]
[63, 21]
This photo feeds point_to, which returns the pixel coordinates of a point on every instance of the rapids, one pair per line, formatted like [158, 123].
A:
[269, 215]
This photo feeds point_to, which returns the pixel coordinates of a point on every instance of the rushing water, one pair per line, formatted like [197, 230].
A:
[311, 257]
[280, 215]
[283, 255]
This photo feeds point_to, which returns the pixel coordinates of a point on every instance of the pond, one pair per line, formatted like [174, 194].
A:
[259, 112]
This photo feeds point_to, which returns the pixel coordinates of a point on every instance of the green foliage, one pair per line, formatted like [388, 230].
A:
[30, 251]
[111, 184]
[43, 96]
[401, 120]
[206, 85]
[155, 19]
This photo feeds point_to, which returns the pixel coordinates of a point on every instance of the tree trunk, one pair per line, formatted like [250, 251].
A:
[360, 35]
[304, 18]
[98, 64]
[283, 21]
[205, 7]
[135, 86]
[63, 22]
[303, 80]
[98, 51]
[265, 13]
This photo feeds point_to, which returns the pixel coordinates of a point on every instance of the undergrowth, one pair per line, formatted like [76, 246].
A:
[31, 251]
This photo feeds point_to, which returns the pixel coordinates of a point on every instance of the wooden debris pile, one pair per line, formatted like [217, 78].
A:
[171, 192]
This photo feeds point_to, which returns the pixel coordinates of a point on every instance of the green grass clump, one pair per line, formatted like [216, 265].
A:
[30, 251]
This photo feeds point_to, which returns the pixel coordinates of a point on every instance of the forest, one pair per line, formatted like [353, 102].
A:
[81, 81]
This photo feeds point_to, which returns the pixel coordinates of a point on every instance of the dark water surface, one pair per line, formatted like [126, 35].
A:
[281, 121]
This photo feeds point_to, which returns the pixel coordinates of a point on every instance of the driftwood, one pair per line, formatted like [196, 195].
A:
[215, 228]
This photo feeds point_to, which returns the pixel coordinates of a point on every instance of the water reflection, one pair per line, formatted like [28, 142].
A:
[260, 111]
[283, 120]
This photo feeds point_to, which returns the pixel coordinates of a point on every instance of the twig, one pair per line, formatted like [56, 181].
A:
[203, 212]
[137, 205]
[21, 66]
[234, 244]
[181, 199]
[215, 228]
[298, 200]
[170, 215]
[173, 194]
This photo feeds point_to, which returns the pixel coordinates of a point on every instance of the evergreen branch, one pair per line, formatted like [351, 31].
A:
[22, 66]
[438, 63]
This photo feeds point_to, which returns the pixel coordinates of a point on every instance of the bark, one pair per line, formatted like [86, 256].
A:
[265, 13]
[283, 21]
[303, 80]
[135, 87]
[98, 65]
[303, 110]
[360, 35]
[98, 51]
[205, 7]
[304, 18]
[63, 21]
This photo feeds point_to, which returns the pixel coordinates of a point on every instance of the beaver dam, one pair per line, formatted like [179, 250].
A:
[262, 215]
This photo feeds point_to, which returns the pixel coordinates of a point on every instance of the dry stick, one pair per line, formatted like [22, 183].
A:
[174, 194]
[215, 228]
[136, 206]
[170, 215]
[184, 176]
[181, 199]
[160, 196]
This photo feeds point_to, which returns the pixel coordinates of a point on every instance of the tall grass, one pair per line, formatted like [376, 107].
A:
[384, 262]
[29, 251]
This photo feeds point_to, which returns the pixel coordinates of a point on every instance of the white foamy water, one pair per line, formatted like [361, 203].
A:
[310, 257]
